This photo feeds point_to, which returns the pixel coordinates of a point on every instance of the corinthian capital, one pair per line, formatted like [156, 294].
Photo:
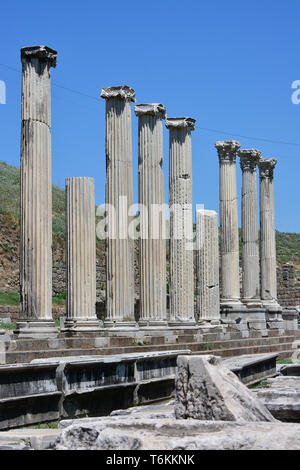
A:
[43, 53]
[266, 167]
[150, 109]
[249, 158]
[122, 92]
[181, 123]
[227, 150]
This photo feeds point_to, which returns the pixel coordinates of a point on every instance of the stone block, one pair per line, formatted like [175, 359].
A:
[207, 390]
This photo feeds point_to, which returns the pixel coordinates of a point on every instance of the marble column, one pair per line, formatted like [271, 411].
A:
[152, 215]
[119, 198]
[267, 238]
[81, 255]
[229, 230]
[249, 159]
[36, 194]
[181, 221]
[207, 239]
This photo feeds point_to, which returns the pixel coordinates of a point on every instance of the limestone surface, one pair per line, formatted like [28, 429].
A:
[250, 235]
[267, 231]
[119, 200]
[152, 214]
[207, 390]
[36, 187]
[281, 395]
[170, 434]
[81, 250]
[208, 291]
[230, 287]
[181, 220]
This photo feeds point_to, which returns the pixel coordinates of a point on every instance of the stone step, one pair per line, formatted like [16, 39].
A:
[224, 349]
[23, 345]
[284, 350]
[77, 342]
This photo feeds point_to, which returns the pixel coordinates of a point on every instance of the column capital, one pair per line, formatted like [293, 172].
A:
[266, 168]
[249, 158]
[227, 150]
[150, 109]
[122, 92]
[181, 123]
[43, 53]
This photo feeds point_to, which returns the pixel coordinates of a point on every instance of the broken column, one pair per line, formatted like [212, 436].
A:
[208, 292]
[81, 255]
[181, 221]
[231, 306]
[36, 193]
[119, 198]
[152, 215]
[268, 243]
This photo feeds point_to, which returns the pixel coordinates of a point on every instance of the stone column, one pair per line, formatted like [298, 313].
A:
[152, 215]
[267, 239]
[81, 255]
[207, 239]
[250, 237]
[181, 222]
[36, 193]
[119, 198]
[229, 230]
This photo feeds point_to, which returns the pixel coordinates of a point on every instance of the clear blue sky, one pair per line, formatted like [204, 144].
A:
[228, 64]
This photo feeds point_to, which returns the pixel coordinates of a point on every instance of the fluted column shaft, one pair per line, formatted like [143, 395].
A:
[152, 214]
[230, 285]
[81, 250]
[250, 234]
[36, 187]
[181, 220]
[267, 231]
[119, 198]
[207, 239]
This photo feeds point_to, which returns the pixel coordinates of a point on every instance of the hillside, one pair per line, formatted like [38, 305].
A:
[288, 244]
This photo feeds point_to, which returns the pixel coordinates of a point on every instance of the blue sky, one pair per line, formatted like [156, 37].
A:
[230, 65]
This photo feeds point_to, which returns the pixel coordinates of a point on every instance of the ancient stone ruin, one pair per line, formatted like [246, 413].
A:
[218, 302]
[130, 358]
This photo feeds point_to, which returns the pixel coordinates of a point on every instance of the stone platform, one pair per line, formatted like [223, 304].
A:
[220, 340]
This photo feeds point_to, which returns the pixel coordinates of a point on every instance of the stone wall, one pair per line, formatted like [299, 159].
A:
[288, 285]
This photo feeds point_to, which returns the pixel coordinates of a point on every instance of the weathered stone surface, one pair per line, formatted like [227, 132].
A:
[267, 234]
[250, 236]
[230, 284]
[152, 214]
[81, 254]
[181, 221]
[170, 434]
[281, 395]
[207, 390]
[36, 190]
[119, 199]
[207, 239]
[29, 438]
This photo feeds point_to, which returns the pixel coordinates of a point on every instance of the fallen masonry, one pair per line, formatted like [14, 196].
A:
[170, 434]
[207, 390]
[60, 387]
[281, 395]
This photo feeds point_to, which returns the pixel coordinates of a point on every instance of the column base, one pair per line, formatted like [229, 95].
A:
[252, 303]
[36, 329]
[146, 323]
[120, 323]
[290, 317]
[73, 327]
[182, 323]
